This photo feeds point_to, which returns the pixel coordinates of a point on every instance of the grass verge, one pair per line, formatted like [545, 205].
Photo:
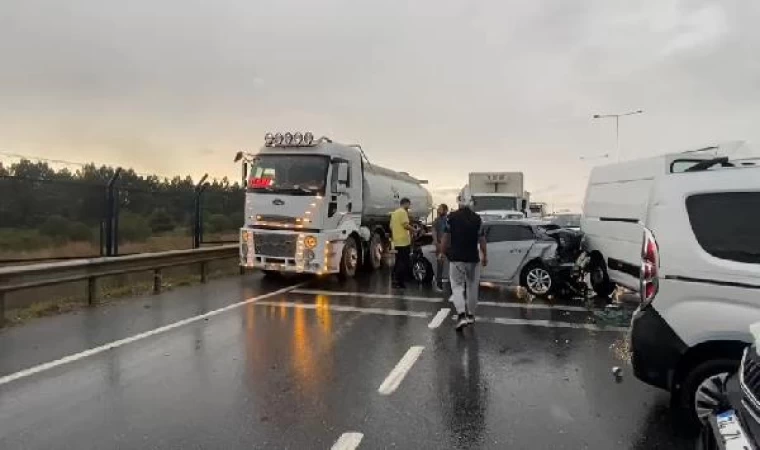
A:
[112, 293]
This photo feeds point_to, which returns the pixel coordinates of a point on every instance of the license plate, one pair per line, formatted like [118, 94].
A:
[730, 431]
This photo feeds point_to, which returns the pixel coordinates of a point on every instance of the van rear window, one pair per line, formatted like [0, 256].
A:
[726, 224]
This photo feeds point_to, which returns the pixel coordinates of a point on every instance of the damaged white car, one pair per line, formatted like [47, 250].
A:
[537, 255]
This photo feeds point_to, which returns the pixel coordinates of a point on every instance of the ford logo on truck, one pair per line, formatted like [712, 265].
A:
[278, 202]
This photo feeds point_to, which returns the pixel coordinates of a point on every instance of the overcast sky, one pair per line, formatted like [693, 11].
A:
[438, 88]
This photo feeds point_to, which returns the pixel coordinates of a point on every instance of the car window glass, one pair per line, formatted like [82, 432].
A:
[725, 224]
[499, 233]
[524, 233]
[509, 232]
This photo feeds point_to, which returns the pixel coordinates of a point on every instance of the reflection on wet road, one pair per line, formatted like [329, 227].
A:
[301, 369]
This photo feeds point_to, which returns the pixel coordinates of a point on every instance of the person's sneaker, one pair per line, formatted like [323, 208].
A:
[470, 319]
[461, 322]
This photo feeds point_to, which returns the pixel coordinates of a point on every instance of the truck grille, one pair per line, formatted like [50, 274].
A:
[284, 220]
[276, 245]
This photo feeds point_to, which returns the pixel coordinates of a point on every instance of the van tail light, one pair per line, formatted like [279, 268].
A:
[650, 268]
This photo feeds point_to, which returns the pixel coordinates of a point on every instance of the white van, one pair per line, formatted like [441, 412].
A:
[683, 230]
[619, 203]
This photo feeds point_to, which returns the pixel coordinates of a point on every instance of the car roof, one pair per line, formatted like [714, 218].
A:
[532, 222]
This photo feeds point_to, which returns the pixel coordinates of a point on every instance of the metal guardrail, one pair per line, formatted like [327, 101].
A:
[46, 274]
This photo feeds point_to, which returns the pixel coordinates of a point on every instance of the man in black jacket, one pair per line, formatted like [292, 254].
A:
[461, 242]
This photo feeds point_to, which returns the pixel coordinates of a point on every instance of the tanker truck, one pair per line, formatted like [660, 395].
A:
[319, 207]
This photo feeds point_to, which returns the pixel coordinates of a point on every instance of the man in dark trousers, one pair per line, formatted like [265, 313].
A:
[461, 242]
[439, 229]
[401, 236]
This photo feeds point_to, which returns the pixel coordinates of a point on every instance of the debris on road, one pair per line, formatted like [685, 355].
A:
[618, 373]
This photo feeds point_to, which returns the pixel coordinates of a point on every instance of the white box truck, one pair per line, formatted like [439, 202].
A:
[319, 207]
[497, 193]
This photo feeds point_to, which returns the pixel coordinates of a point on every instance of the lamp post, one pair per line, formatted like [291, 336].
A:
[592, 157]
[617, 126]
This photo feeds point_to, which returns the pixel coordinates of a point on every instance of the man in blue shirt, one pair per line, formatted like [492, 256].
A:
[440, 226]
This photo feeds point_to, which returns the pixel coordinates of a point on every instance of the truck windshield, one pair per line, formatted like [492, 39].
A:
[484, 203]
[289, 174]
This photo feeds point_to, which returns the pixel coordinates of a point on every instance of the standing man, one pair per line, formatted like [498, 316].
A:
[402, 241]
[439, 229]
[461, 241]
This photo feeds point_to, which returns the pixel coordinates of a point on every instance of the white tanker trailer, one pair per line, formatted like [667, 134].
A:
[314, 206]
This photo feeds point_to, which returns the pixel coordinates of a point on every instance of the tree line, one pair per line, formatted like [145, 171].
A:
[43, 206]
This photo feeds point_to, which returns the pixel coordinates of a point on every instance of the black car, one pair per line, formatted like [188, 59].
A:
[729, 407]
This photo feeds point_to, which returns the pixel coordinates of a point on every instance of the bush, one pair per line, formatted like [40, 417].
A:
[218, 223]
[18, 240]
[133, 227]
[79, 232]
[161, 221]
[56, 227]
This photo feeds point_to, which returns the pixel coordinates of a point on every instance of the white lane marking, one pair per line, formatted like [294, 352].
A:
[121, 342]
[439, 318]
[345, 308]
[398, 373]
[412, 298]
[348, 441]
[536, 306]
[369, 295]
[483, 319]
[550, 324]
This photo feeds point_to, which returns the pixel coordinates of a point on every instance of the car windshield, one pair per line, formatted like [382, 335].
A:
[486, 202]
[568, 220]
[289, 174]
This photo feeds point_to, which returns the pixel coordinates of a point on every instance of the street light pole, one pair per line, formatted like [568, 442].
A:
[617, 126]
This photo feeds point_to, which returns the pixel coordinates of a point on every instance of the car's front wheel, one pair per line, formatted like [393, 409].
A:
[702, 390]
[422, 271]
[537, 280]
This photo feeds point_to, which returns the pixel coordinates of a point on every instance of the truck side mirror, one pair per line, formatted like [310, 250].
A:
[524, 205]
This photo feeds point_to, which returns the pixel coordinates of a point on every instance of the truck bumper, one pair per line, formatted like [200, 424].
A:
[290, 252]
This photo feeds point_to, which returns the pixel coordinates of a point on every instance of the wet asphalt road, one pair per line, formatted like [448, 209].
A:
[299, 369]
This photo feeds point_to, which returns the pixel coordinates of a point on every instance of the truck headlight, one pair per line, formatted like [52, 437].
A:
[310, 242]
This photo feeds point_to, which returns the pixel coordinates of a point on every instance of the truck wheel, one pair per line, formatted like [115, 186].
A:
[375, 252]
[349, 260]
[422, 271]
[600, 280]
[537, 280]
